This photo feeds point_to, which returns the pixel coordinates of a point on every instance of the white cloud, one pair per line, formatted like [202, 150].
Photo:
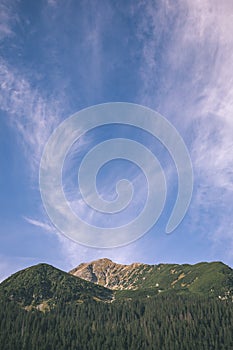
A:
[7, 19]
[212, 149]
[33, 116]
[45, 226]
[202, 32]
[188, 49]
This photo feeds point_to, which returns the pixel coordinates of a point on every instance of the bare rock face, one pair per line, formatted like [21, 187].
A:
[109, 274]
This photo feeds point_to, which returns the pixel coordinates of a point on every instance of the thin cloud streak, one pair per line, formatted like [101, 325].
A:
[45, 226]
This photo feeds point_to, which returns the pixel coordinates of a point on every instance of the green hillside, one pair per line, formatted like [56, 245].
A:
[43, 286]
[203, 278]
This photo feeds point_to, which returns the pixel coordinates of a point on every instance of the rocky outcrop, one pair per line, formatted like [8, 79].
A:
[109, 274]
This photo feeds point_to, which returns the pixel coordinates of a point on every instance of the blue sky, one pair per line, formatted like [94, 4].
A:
[58, 57]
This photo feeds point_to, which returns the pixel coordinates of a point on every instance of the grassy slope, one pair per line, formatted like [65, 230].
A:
[213, 278]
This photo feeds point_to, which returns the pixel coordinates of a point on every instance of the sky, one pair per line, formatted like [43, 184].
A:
[60, 57]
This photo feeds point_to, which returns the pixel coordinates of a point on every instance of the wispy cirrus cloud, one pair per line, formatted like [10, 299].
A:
[28, 111]
[188, 50]
[210, 27]
[43, 225]
[8, 17]
[201, 41]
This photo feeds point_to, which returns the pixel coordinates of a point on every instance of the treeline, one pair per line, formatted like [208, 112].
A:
[160, 323]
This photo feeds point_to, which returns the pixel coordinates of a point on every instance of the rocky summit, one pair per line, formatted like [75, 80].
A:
[109, 274]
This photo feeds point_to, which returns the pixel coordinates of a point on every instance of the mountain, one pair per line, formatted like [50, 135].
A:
[81, 315]
[213, 278]
[43, 286]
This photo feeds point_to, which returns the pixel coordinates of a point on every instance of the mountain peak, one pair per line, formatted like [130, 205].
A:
[107, 273]
[103, 261]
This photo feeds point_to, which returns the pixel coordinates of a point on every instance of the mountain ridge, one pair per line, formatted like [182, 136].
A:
[43, 286]
[45, 308]
[204, 277]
